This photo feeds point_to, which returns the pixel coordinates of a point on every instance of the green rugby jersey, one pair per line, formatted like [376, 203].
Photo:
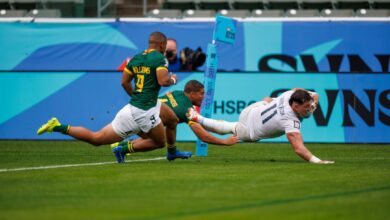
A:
[178, 102]
[144, 67]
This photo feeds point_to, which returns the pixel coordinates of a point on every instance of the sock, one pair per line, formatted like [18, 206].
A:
[219, 126]
[130, 147]
[62, 128]
[172, 149]
[126, 147]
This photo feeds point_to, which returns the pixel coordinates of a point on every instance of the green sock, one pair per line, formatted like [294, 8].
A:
[126, 147]
[172, 149]
[61, 128]
[123, 143]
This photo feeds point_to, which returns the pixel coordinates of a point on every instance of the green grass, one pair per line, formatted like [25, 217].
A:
[246, 181]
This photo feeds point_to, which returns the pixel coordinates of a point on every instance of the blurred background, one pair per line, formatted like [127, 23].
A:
[197, 8]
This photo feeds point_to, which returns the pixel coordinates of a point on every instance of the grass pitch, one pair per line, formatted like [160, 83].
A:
[246, 181]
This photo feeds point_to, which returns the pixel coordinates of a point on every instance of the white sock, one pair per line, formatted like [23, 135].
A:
[218, 126]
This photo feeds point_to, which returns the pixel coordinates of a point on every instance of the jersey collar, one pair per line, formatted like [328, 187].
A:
[149, 51]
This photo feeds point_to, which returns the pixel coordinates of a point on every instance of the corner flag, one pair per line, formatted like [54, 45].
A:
[224, 31]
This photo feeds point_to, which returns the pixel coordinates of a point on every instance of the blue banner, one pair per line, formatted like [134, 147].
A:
[354, 108]
[260, 46]
[67, 70]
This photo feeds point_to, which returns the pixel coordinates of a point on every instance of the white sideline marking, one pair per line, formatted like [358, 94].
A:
[73, 165]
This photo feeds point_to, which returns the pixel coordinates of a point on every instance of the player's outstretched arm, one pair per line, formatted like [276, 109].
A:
[203, 135]
[296, 142]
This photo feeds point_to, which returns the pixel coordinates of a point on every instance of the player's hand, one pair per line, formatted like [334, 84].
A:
[231, 140]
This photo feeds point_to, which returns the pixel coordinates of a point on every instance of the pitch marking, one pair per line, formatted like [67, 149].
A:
[73, 165]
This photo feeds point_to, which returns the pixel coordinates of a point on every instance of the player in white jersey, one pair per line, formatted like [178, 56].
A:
[270, 118]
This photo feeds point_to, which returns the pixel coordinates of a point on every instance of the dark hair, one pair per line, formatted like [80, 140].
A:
[300, 97]
[157, 37]
[193, 86]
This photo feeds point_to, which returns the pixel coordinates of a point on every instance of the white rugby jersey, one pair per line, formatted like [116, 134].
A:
[274, 119]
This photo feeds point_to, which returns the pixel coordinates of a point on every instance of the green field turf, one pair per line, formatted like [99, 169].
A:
[246, 181]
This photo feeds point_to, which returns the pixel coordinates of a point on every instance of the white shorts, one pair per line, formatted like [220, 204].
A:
[243, 125]
[131, 120]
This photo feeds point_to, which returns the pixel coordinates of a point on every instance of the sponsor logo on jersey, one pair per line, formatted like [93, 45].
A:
[297, 124]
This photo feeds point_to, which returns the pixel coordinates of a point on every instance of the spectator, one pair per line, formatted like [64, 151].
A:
[188, 59]
[171, 55]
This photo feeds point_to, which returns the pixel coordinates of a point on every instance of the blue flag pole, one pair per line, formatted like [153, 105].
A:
[209, 82]
[224, 31]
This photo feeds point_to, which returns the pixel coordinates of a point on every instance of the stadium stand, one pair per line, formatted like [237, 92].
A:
[44, 13]
[302, 13]
[258, 13]
[352, 4]
[283, 4]
[316, 4]
[337, 13]
[26, 4]
[165, 13]
[179, 4]
[69, 8]
[373, 13]
[198, 13]
[12, 13]
[381, 4]
[235, 13]
[214, 4]
[248, 4]
[4, 4]
[134, 8]
[200, 8]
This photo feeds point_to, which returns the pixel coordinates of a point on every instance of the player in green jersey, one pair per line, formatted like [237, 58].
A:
[149, 70]
[181, 101]
[173, 111]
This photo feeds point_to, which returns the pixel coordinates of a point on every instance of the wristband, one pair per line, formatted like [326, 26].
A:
[314, 159]
[174, 80]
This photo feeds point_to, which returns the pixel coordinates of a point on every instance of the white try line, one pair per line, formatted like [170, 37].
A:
[73, 165]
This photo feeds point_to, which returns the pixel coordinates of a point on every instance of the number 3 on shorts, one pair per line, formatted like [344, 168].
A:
[140, 83]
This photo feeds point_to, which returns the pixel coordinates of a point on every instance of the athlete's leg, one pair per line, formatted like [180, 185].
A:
[223, 127]
[170, 121]
[217, 126]
[143, 145]
[151, 124]
[157, 140]
[106, 135]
